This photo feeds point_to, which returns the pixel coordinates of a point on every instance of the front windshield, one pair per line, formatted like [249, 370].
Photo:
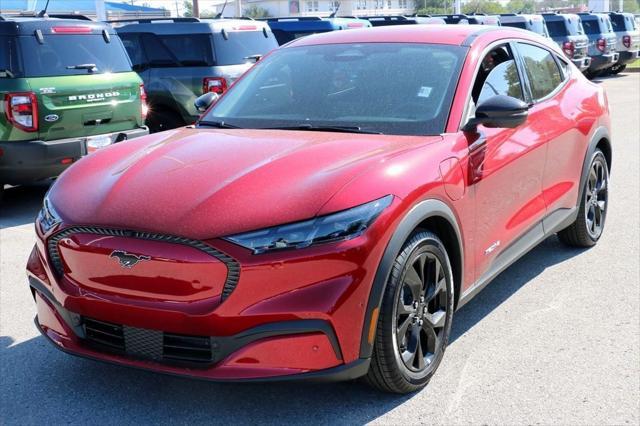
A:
[390, 88]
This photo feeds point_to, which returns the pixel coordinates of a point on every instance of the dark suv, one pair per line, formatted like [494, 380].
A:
[628, 39]
[602, 42]
[566, 30]
[180, 59]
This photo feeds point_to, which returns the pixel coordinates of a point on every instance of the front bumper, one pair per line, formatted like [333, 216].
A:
[582, 63]
[601, 62]
[24, 162]
[292, 313]
[628, 56]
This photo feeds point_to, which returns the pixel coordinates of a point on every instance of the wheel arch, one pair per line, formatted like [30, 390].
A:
[600, 140]
[433, 215]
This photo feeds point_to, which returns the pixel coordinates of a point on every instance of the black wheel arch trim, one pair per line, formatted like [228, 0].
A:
[601, 133]
[417, 214]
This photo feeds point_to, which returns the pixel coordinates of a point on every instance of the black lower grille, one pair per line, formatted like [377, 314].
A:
[104, 334]
[177, 347]
[148, 344]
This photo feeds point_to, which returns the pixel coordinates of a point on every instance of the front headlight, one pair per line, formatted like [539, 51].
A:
[47, 217]
[338, 226]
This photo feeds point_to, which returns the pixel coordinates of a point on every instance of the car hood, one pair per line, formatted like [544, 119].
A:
[209, 183]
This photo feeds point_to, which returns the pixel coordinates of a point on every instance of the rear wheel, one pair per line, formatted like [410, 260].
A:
[415, 317]
[589, 225]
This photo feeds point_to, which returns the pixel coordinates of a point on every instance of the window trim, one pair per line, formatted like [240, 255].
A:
[555, 91]
[464, 118]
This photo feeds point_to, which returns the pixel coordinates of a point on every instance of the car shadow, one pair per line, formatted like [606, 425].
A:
[49, 379]
[20, 204]
[548, 253]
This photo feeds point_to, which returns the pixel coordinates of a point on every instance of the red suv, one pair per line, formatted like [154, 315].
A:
[328, 214]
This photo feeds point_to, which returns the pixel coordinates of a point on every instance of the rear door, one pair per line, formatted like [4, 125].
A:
[555, 108]
[83, 82]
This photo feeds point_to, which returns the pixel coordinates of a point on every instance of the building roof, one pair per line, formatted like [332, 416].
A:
[74, 5]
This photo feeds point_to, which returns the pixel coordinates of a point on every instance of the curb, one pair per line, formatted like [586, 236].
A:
[635, 69]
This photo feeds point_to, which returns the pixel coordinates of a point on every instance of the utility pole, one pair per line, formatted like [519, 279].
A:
[196, 9]
[101, 12]
[457, 7]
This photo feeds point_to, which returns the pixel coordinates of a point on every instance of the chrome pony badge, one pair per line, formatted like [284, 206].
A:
[127, 260]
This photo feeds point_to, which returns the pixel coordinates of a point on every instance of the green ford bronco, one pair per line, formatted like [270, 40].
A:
[66, 89]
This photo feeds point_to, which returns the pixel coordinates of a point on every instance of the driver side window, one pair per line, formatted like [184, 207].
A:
[498, 75]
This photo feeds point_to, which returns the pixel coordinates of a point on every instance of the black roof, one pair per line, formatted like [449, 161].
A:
[20, 25]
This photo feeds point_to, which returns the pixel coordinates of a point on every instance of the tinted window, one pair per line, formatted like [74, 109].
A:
[591, 26]
[178, 50]
[542, 70]
[132, 44]
[362, 85]
[8, 57]
[617, 21]
[241, 44]
[515, 25]
[556, 28]
[58, 52]
[502, 80]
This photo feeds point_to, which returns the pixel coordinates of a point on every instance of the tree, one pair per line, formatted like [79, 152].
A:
[429, 7]
[490, 7]
[521, 6]
[256, 12]
[188, 8]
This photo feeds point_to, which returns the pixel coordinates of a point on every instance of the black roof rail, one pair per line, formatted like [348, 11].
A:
[386, 17]
[70, 16]
[150, 20]
[549, 13]
[509, 14]
[294, 18]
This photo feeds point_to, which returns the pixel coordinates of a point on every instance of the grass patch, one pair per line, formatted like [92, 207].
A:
[634, 64]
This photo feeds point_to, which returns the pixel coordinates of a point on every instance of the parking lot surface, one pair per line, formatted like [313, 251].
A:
[555, 339]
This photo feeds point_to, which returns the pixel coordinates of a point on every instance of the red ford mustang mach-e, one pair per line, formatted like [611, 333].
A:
[326, 217]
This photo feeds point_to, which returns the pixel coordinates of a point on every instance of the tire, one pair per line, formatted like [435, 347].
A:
[588, 227]
[163, 119]
[393, 367]
[617, 69]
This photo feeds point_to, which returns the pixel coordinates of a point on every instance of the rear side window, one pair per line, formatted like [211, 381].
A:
[239, 45]
[131, 42]
[617, 21]
[60, 55]
[9, 66]
[556, 28]
[591, 26]
[541, 69]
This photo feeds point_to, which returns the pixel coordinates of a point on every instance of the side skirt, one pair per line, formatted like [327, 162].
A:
[551, 224]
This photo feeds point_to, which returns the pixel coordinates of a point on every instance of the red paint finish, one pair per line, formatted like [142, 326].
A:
[206, 184]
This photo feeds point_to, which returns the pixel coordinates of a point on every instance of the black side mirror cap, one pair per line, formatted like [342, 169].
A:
[203, 102]
[499, 111]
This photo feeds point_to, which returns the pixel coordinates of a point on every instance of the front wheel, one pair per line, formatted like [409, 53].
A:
[415, 317]
[589, 225]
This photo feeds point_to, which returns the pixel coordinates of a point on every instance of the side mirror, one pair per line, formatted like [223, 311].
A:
[499, 111]
[202, 103]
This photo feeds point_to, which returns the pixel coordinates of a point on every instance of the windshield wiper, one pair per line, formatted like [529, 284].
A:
[6, 73]
[88, 67]
[321, 128]
[218, 124]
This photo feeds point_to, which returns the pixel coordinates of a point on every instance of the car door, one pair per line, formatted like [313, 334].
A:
[506, 166]
[556, 100]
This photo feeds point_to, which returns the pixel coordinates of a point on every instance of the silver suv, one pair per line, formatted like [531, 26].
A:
[566, 30]
[628, 43]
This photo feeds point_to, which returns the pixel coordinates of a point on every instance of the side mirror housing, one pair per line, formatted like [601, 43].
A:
[499, 111]
[203, 102]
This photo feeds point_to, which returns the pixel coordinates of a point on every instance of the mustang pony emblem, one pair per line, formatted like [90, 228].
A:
[127, 260]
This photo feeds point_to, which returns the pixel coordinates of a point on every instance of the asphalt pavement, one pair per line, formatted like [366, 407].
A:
[555, 339]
